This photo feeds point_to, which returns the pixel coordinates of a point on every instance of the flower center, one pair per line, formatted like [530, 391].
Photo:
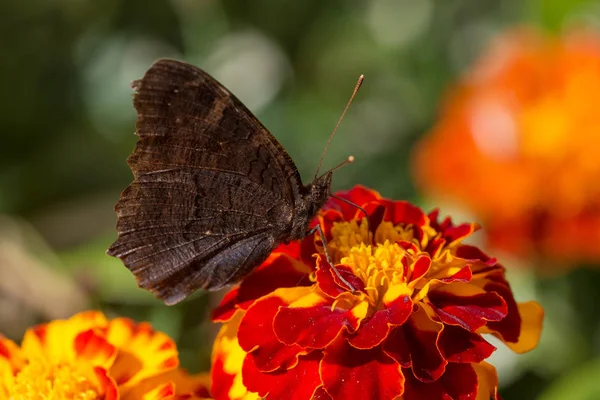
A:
[378, 260]
[40, 380]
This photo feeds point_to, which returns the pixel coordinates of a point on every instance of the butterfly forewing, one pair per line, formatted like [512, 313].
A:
[213, 192]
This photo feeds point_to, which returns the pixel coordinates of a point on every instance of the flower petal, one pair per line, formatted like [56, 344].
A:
[509, 328]
[172, 385]
[375, 329]
[532, 317]
[317, 326]
[108, 384]
[330, 284]
[166, 391]
[11, 354]
[143, 352]
[415, 344]
[403, 212]
[358, 195]
[470, 312]
[419, 268]
[461, 346]
[95, 348]
[488, 381]
[321, 394]
[298, 383]
[459, 382]
[49, 339]
[279, 270]
[227, 361]
[256, 337]
[473, 253]
[349, 373]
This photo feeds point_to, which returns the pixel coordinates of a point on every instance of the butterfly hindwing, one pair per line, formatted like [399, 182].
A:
[213, 191]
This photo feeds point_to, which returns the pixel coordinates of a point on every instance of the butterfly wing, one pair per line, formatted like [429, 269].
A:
[213, 192]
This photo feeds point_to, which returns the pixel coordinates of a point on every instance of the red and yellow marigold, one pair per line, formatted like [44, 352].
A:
[88, 357]
[517, 143]
[410, 327]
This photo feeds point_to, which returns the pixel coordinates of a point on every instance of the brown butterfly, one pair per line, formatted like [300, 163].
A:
[213, 192]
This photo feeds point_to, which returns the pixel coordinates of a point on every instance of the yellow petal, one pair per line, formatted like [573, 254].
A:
[532, 317]
[487, 379]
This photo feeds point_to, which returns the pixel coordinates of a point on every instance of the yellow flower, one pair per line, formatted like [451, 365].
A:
[88, 357]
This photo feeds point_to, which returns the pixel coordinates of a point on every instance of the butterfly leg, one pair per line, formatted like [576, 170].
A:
[328, 257]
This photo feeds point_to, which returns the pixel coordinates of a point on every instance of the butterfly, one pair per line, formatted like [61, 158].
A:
[214, 193]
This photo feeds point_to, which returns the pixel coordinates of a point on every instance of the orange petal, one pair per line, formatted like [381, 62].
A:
[174, 384]
[54, 340]
[10, 354]
[94, 348]
[143, 352]
[10, 363]
[163, 392]
[487, 380]
[107, 383]
[227, 360]
[532, 316]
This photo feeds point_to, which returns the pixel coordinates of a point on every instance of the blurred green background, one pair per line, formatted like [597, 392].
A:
[67, 123]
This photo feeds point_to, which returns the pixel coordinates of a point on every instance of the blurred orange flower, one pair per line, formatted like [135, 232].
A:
[517, 142]
[409, 327]
[89, 357]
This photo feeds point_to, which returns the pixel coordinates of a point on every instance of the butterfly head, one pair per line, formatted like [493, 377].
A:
[319, 193]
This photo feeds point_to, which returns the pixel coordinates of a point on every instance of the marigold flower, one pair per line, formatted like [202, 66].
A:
[516, 142]
[89, 357]
[410, 329]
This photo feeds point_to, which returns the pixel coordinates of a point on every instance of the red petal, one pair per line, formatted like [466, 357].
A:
[321, 394]
[435, 246]
[474, 253]
[326, 219]
[358, 195]
[40, 331]
[257, 338]
[396, 346]
[227, 307]
[509, 327]
[92, 346]
[403, 212]
[298, 383]
[221, 381]
[483, 271]
[459, 232]
[415, 343]
[433, 218]
[461, 346]
[420, 267]
[280, 270]
[330, 284]
[374, 330]
[312, 327]
[459, 382]
[463, 275]
[308, 249]
[376, 214]
[350, 373]
[4, 350]
[470, 312]
[292, 249]
[107, 383]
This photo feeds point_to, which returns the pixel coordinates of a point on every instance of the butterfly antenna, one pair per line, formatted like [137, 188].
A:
[351, 203]
[347, 161]
[358, 84]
